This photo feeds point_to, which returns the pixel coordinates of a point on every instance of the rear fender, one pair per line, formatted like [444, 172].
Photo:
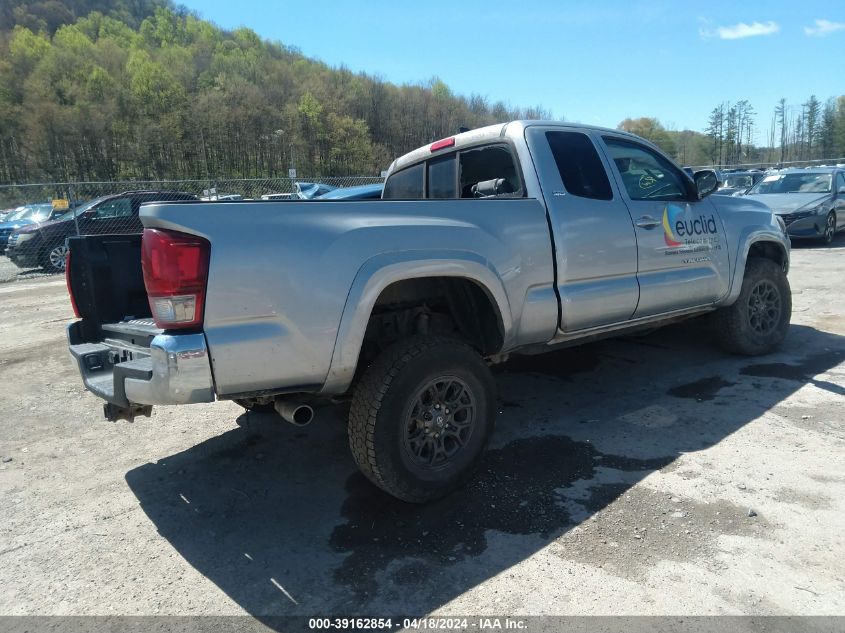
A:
[378, 273]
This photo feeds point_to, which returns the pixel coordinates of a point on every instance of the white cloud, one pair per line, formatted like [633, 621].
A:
[741, 30]
[823, 27]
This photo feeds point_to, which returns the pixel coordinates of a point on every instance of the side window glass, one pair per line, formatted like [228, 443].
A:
[645, 174]
[488, 172]
[406, 184]
[840, 181]
[442, 177]
[579, 165]
[119, 208]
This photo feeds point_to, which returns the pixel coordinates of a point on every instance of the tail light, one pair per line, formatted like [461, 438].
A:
[175, 269]
[70, 287]
[446, 142]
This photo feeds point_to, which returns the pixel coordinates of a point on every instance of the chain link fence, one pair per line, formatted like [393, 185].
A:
[36, 219]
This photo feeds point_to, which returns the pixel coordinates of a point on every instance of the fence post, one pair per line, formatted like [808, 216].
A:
[72, 196]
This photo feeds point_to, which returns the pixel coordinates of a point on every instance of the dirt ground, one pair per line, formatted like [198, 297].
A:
[649, 475]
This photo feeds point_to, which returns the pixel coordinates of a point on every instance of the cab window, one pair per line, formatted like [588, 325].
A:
[488, 172]
[406, 184]
[442, 179]
[579, 165]
[646, 174]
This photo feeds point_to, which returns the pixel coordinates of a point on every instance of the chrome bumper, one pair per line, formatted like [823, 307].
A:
[175, 369]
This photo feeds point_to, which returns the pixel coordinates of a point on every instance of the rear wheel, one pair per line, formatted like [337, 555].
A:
[759, 319]
[54, 257]
[829, 228]
[421, 417]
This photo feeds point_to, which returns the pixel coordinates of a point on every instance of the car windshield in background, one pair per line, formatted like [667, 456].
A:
[794, 183]
[35, 212]
[740, 182]
[41, 212]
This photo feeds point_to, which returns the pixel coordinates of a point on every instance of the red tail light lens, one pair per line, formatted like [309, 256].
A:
[175, 269]
[69, 287]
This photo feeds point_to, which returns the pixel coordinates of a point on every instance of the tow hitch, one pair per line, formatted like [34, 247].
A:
[114, 413]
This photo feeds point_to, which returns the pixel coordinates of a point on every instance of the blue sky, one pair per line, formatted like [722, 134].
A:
[592, 62]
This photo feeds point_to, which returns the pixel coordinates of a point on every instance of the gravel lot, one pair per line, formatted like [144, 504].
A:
[642, 475]
[10, 272]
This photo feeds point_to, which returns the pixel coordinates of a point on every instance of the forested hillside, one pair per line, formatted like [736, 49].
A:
[97, 90]
[142, 89]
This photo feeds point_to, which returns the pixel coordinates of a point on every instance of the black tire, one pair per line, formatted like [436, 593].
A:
[753, 325]
[384, 403]
[53, 258]
[829, 228]
[251, 405]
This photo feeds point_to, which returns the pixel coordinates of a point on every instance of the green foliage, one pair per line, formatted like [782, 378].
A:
[651, 130]
[98, 89]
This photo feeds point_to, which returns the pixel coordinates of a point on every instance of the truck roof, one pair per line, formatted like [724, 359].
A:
[490, 133]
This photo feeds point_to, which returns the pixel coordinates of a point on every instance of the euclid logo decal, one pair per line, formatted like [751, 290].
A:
[685, 235]
[678, 229]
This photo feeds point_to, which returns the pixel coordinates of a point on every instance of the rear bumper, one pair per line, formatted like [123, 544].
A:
[175, 369]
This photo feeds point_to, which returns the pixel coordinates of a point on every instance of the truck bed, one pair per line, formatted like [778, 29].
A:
[115, 339]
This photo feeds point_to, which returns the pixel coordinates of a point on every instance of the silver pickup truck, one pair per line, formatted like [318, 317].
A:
[514, 238]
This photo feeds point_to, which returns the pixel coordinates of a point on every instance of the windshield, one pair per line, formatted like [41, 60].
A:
[811, 182]
[739, 182]
[26, 213]
[41, 212]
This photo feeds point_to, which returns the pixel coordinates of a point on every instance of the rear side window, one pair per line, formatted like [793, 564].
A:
[489, 171]
[406, 184]
[579, 165]
[442, 180]
[121, 207]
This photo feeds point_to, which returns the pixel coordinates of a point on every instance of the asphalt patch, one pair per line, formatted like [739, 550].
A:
[701, 390]
[516, 491]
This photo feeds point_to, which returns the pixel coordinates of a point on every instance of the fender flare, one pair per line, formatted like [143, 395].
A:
[382, 270]
[747, 240]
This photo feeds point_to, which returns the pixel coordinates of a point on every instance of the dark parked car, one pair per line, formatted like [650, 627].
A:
[23, 216]
[44, 244]
[811, 202]
[738, 181]
[361, 192]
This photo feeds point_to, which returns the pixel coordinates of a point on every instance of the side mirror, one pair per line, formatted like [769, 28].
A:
[90, 214]
[705, 182]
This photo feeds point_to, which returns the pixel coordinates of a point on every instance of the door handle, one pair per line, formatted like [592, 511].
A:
[647, 222]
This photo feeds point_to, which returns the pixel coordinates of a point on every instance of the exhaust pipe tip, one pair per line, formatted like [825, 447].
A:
[296, 413]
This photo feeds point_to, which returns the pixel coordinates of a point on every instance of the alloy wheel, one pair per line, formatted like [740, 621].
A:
[57, 257]
[440, 421]
[764, 307]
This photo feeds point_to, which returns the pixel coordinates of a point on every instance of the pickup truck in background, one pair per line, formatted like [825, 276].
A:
[513, 238]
